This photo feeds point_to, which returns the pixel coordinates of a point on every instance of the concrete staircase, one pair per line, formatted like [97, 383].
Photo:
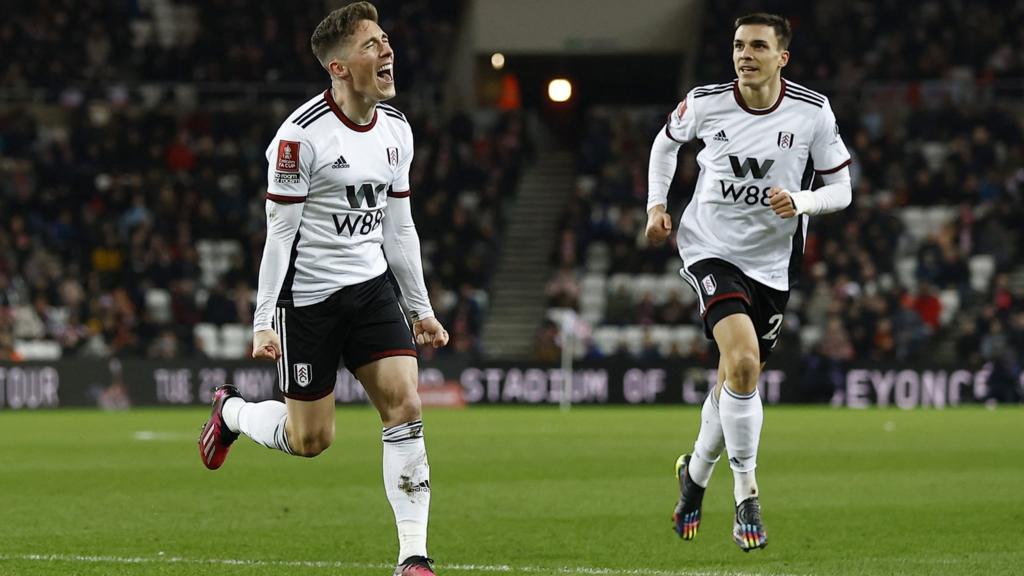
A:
[518, 302]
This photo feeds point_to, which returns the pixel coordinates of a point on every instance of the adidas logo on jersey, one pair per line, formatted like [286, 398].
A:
[340, 163]
[721, 137]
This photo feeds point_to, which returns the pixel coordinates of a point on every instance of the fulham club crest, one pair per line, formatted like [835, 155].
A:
[709, 284]
[785, 140]
[303, 374]
[393, 156]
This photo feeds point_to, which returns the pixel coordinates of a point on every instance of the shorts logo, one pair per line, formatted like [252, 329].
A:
[303, 374]
[288, 156]
[393, 156]
[709, 284]
[785, 140]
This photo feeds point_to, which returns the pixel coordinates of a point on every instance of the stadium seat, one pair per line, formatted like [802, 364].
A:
[209, 339]
[38, 349]
[158, 305]
[235, 339]
[982, 266]
[950, 306]
[809, 337]
[607, 339]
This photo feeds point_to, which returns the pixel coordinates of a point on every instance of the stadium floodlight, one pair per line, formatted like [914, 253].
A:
[559, 90]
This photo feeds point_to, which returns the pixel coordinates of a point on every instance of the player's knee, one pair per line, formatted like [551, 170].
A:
[310, 443]
[742, 370]
[405, 408]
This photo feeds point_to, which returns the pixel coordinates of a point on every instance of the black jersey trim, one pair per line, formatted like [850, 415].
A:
[713, 92]
[321, 105]
[315, 117]
[285, 199]
[390, 108]
[285, 298]
[805, 92]
[836, 169]
[396, 116]
[793, 96]
[713, 87]
[671, 137]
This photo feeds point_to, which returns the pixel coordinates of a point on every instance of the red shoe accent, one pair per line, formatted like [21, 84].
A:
[215, 439]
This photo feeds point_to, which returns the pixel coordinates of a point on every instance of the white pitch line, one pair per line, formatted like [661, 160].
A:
[155, 436]
[500, 568]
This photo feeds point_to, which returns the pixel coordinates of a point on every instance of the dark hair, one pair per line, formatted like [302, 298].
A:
[782, 30]
[333, 30]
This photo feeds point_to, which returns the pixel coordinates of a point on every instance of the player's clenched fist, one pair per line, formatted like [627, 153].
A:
[430, 331]
[266, 344]
[781, 202]
[659, 225]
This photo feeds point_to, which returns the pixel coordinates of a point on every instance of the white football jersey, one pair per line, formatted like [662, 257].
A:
[344, 172]
[747, 152]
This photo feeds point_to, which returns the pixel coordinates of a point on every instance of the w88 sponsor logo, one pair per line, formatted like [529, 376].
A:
[749, 194]
[358, 224]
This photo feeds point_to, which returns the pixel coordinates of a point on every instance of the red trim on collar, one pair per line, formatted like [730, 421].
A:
[749, 110]
[345, 119]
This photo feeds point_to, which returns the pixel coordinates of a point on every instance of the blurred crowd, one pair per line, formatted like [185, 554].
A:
[879, 40]
[132, 41]
[127, 220]
[926, 264]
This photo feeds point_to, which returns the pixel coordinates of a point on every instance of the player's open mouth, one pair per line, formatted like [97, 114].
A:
[384, 73]
[748, 69]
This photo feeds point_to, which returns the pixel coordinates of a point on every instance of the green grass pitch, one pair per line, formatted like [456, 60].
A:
[516, 491]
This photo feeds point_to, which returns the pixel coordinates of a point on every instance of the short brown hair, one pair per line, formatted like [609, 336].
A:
[782, 29]
[333, 30]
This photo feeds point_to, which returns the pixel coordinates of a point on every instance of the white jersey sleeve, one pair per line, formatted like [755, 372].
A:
[401, 241]
[680, 127]
[828, 152]
[400, 185]
[290, 158]
[682, 122]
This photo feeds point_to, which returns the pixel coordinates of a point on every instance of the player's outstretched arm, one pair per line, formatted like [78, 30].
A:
[282, 225]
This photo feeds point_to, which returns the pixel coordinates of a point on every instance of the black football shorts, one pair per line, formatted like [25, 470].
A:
[724, 290]
[358, 324]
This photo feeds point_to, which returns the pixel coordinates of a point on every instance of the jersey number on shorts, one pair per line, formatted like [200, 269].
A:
[776, 322]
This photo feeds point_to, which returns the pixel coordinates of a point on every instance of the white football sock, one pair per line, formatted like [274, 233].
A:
[407, 483]
[742, 416]
[232, 406]
[709, 444]
[264, 422]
